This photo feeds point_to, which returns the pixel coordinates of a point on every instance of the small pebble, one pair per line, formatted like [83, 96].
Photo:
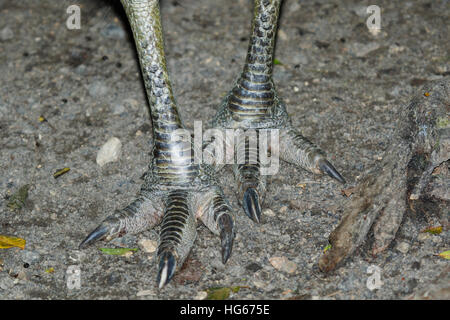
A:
[6, 283]
[148, 246]
[283, 264]
[118, 108]
[360, 10]
[128, 254]
[113, 31]
[282, 35]
[30, 257]
[374, 31]
[361, 50]
[145, 293]
[127, 241]
[98, 89]
[394, 49]
[268, 212]
[423, 236]
[81, 69]
[259, 284]
[201, 295]
[283, 209]
[403, 247]
[436, 239]
[6, 34]
[22, 275]
[109, 152]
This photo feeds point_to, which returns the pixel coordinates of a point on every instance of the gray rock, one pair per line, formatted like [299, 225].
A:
[6, 282]
[98, 89]
[6, 34]
[362, 49]
[30, 257]
[113, 31]
[118, 108]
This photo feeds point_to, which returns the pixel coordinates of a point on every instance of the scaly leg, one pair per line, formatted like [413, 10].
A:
[382, 196]
[253, 103]
[174, 183]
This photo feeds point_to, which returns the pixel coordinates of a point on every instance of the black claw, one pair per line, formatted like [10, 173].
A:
[98, 234]
[326, 167]
[226, 236]
[166, 270]
[251, 204]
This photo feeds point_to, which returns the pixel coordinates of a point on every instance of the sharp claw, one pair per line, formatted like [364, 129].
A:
[326, 167]
[110, 228]
[251, 204]
[166, 270]
[98, 234]
[226, 236]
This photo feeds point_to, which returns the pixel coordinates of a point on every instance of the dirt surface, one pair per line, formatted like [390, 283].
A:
[64, 93]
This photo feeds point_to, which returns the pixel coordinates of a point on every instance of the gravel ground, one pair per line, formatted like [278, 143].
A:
[343, 86]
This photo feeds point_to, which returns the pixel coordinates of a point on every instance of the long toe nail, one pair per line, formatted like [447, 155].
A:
[110, 228]
[98, 234]
[251, 204]
[226, 236]
[326, 167]
[167, 266]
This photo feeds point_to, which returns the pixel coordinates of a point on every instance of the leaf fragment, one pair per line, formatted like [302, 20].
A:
[276, 61]
[117, 251]
[60, 172]
[445, 255]
[17, 200]
[218, 293]
[222, 293]
[50, 270]
[442, 122]
[433, 230]
[10, 242]
[327, 248]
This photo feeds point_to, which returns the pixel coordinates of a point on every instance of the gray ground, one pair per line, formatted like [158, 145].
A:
[342, 84]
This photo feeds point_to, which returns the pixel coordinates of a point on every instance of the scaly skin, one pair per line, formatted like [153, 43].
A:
[381, 198]
[176, 191]
[253, 103]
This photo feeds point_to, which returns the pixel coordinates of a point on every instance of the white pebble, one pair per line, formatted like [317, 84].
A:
[145, 293]
[283, 264]
[201, 295]
[109, 152]
[423, 236]
[268, 212]
[259, 284]
[148, 246]
[403, 247]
